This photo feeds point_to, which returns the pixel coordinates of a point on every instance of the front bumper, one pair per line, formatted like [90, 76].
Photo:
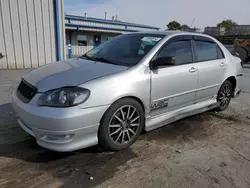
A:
[59, 129]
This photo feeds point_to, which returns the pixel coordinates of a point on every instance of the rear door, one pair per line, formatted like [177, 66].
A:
[212, 65]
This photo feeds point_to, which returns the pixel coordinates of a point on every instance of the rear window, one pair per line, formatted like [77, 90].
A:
[220, 53]
[205, 51]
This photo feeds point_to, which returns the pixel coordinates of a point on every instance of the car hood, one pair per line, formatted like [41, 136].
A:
[69, 73]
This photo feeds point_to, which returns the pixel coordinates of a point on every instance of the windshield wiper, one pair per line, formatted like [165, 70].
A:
[104, 60]
[101, 59]
[87, 57]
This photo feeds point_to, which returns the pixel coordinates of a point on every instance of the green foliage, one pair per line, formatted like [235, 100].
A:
[174, 25]
[185, 27]
[228, 24]
[236, 43]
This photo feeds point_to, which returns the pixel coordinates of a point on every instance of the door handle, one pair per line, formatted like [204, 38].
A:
[222, 64]
[192, 70]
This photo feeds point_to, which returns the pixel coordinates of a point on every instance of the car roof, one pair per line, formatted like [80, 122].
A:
[169, 33]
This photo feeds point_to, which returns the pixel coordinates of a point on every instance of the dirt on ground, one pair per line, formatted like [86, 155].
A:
[206, 150]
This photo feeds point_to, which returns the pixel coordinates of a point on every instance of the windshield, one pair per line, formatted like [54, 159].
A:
[126, 50]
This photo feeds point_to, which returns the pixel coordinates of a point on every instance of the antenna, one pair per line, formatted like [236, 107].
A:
[192, 23]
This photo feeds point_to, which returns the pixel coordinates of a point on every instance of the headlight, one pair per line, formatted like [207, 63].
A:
[64, 97]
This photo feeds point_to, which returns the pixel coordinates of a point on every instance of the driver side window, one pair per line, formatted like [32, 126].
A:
[180, 50]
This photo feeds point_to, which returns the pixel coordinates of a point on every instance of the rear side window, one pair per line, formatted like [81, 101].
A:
[181, 50]
[220, 53]
[205, 51]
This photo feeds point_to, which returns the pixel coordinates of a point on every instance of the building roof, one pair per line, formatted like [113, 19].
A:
[98, 28]
[114, 22]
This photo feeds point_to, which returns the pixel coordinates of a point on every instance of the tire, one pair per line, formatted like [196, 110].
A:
[224, 95]
[242, 53]
[120, 127]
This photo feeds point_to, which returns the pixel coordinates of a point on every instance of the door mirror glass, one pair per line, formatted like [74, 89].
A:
[163, 61]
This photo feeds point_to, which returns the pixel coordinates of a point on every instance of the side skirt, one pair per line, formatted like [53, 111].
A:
[164, 119]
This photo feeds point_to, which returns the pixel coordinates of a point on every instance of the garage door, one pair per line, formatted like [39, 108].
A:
[27, 33]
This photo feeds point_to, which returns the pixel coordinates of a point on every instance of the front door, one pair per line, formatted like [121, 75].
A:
[97, 40]
[173, 87]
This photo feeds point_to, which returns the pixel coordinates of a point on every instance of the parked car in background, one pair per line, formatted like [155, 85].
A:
[113, 92]
[242, 47]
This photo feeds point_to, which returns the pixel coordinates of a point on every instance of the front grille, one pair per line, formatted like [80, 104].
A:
[25, 91]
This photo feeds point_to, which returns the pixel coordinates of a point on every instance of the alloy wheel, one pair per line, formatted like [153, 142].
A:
[124, 125]
[225, 95]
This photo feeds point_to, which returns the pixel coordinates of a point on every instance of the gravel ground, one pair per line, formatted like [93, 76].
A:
[207, 150]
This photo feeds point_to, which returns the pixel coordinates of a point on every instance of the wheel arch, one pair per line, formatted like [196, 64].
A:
[140, 101]
[130, 97]
[117, 100]
[233, 80]
[125, 97]
[136, 99]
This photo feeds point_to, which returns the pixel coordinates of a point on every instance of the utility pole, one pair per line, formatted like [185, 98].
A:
[192, 23]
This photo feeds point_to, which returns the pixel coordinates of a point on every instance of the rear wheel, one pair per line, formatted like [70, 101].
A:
[225, 95]
[121, 124]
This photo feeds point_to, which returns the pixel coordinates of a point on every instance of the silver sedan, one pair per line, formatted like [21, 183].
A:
[135, 82]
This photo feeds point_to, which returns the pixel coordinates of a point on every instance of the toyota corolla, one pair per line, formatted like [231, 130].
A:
[134, 82]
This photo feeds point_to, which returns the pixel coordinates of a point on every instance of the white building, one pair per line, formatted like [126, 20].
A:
[31, 33]
[84, 33]
[36, 32]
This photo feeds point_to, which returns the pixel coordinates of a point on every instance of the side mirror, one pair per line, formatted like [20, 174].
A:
[162, 61]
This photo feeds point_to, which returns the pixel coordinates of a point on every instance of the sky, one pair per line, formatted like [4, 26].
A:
[160, 12]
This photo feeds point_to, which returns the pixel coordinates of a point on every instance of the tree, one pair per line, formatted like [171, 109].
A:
[174, 25]
[185, 27]
[228, 24]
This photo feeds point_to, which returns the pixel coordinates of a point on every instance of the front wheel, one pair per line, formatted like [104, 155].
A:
[224, 95]
[121, 124]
